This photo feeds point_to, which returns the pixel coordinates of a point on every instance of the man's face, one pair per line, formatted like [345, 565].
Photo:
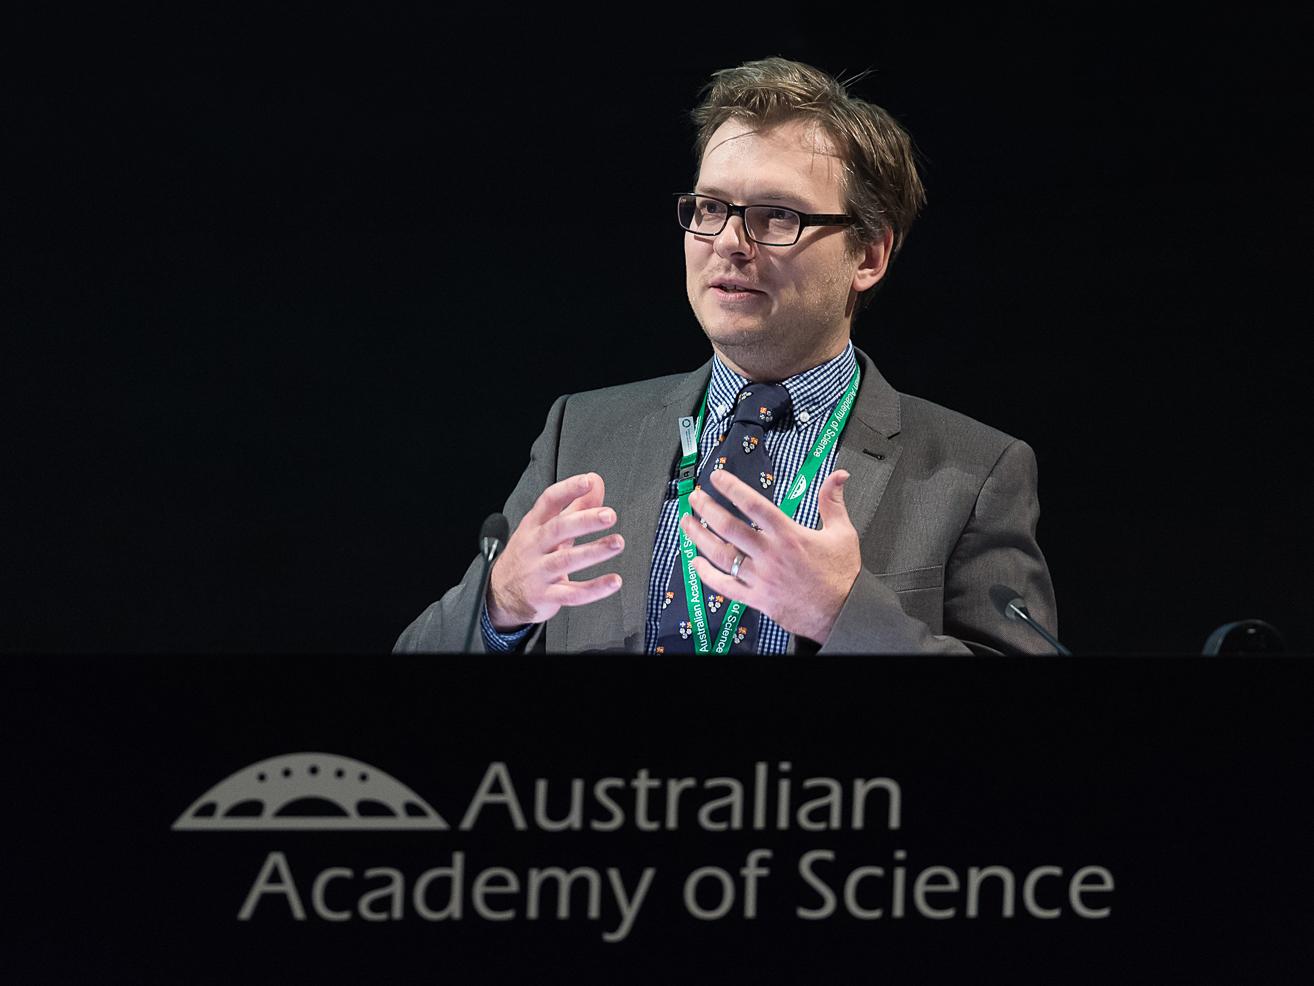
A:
[796, 310]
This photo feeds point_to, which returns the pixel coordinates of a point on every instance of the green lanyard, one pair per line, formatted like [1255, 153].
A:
[693, 586]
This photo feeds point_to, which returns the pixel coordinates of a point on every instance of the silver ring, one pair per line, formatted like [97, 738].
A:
[740, 558]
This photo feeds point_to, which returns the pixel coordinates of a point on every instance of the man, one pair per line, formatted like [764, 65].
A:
[761, 531]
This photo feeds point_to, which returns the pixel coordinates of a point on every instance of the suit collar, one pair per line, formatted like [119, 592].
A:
[877, 405]
[688, 391]
[869, 453]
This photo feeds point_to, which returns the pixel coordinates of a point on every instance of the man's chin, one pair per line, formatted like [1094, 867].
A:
[744, 349]
[736, 333]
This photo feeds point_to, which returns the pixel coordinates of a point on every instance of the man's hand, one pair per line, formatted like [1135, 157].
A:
[795, 575]
[530, 579]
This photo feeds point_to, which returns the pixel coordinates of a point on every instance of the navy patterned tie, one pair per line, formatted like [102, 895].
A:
[742, 451]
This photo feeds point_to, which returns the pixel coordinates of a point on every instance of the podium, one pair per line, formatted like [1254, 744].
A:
[274, 819]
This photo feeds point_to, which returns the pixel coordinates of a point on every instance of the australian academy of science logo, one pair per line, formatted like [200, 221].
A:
[309, 791]
[800, 484]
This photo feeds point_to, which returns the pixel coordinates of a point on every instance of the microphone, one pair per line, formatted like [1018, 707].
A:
[492, 538]
[1013, 606]
[1245, 637]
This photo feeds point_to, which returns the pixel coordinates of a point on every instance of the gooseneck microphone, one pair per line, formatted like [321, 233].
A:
[492, 538]
[1013, 606]
[1017, 610]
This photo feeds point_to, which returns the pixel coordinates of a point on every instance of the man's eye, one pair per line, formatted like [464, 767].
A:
[780, 216]
[713, 208]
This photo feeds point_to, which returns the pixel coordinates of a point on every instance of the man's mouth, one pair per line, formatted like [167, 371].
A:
[733, 287]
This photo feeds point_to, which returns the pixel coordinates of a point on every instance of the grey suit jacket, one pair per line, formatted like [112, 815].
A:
[945, 507]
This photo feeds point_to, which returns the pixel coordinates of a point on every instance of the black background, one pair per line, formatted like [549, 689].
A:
[272, 273]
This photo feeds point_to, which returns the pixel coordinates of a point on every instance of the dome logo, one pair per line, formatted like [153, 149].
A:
[309, 791]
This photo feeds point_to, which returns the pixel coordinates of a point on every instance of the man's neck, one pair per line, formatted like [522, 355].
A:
[758, 366]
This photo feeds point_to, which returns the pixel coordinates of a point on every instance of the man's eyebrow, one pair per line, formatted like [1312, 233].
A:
[768, 196]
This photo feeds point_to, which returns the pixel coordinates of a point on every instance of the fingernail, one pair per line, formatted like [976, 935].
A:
[617, 542]
[583, 484]
[608, 516]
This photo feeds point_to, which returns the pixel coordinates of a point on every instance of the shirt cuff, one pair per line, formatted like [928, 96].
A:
[497, 642]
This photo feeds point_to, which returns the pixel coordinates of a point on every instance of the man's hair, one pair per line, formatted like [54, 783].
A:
[880, 186]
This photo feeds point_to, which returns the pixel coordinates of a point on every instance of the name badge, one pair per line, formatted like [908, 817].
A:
[688, 440]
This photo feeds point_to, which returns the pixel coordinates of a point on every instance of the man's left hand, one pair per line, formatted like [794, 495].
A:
[795, 575]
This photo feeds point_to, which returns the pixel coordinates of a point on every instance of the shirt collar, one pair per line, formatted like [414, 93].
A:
[811, 392]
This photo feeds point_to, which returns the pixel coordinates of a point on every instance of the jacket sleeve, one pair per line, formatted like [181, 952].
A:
[995, 555]
[442, 627]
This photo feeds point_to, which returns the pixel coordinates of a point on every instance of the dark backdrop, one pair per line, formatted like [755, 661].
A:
[272, 278]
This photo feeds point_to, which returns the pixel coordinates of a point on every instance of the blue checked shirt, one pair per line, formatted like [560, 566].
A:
[813, 394]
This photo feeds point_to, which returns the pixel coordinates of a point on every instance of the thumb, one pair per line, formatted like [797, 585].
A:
[830, 500]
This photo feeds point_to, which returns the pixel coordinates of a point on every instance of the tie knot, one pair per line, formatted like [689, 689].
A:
[764, 404]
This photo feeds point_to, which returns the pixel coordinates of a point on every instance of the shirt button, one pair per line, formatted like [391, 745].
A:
[721, 409]
[804, 417]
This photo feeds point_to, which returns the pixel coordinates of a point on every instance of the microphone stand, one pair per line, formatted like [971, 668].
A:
[494, 534]
[1017, 610]
[483, 590]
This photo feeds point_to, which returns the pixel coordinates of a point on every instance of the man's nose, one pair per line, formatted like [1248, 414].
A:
[733, 239]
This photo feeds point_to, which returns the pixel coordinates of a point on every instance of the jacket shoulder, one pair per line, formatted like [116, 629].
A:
[942, 434]
[638, 392]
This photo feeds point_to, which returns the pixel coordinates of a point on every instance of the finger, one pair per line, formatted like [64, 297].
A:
[710, 546]
[566, 561]
[757, 508]
[830, 501]
[581, 593]
[594, 497]
[564, 528]
[718, 581]
[723, 522]
[559, 495]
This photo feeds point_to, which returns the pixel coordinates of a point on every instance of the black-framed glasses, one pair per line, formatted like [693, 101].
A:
[768, 225]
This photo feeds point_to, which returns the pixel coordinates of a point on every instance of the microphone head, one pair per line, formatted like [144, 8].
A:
[1008, 602]
[496, 528]
[493, 536]
[1014, 607]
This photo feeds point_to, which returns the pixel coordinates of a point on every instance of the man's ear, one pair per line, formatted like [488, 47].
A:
[875, 260]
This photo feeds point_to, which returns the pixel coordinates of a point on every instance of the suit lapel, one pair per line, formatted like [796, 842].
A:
[866, 450]
[638, 505]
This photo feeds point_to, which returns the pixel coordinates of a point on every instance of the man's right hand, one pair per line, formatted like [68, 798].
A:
[530, 580]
